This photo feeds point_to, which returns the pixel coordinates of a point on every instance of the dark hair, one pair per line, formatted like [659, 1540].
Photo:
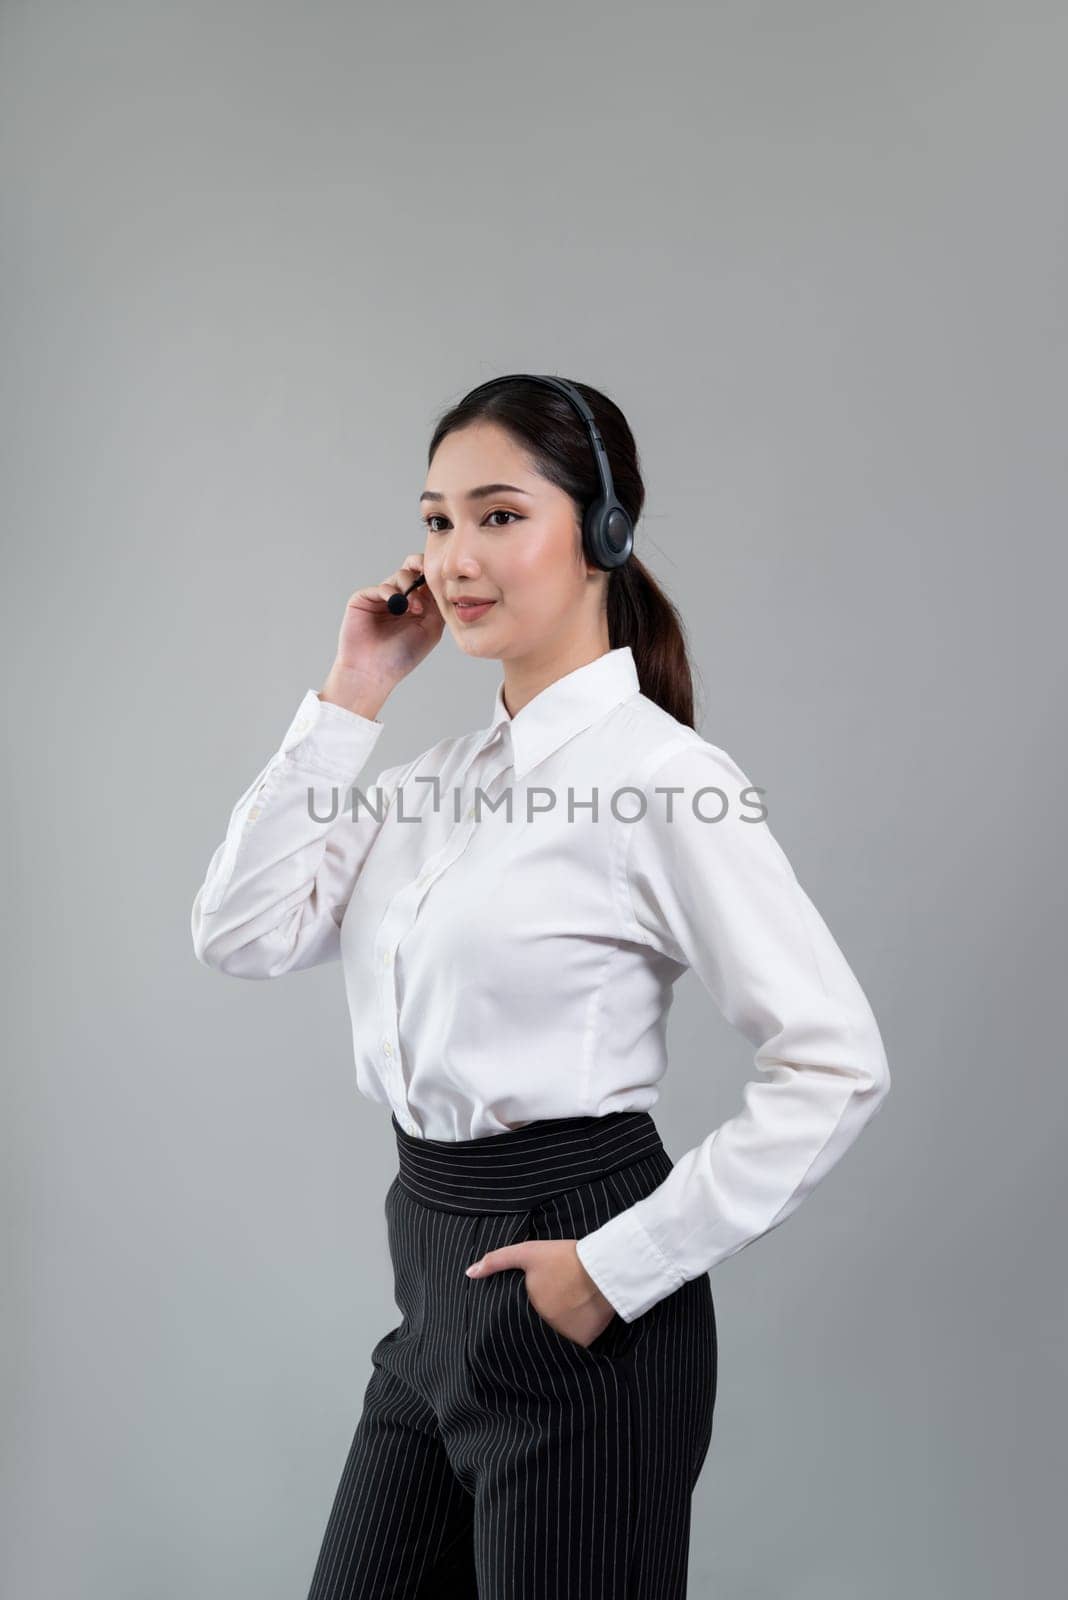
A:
[639, 612]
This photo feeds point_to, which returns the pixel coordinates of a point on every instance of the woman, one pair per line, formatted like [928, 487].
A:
[512, 909]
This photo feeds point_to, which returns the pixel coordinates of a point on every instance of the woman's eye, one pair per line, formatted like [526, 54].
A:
[435, 517]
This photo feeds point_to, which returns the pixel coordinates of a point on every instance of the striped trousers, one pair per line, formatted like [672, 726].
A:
[495, 1458]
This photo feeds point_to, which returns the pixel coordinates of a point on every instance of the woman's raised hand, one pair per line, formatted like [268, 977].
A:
[375, 648]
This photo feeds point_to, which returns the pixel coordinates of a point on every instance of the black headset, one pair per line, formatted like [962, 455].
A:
[607, 529]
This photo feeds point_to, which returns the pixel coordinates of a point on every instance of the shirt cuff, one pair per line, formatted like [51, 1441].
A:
[627, 1267]
[329, 739]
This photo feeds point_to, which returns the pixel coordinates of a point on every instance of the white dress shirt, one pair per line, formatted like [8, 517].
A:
[504, 967]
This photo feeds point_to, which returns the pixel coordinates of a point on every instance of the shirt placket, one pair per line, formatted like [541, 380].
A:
[402, 912]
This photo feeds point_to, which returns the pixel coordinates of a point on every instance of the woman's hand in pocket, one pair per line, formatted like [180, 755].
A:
[560, 1289]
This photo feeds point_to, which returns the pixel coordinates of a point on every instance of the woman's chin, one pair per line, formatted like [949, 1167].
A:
[476, 642]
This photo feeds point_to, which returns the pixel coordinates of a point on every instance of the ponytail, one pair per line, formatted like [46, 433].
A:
[641, 615]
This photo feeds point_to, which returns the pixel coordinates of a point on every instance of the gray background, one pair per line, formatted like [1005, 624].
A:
[817, 253]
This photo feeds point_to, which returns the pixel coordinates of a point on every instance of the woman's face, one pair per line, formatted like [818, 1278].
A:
[519, 546]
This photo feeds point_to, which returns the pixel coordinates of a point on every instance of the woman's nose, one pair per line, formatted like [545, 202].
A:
[459, 559]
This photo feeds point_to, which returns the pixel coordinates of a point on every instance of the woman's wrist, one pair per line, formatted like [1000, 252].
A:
[595, 1294]
[353, 693]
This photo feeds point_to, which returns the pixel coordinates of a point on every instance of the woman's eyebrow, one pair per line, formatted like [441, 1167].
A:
[478, 494]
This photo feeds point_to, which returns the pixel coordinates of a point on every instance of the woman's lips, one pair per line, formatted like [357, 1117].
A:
[470, 613]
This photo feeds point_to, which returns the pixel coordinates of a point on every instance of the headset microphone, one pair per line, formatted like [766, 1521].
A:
[607, 529]
[398, 603]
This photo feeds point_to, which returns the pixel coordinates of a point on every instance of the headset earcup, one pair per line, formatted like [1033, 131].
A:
[608, 534]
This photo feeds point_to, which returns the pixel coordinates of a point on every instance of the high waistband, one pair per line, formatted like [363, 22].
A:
[523, 1166]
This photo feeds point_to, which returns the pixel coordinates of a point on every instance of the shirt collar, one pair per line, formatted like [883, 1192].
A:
[566, 707]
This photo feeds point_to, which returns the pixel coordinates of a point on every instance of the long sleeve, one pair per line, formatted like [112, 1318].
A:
[277, 886]
[722, 898]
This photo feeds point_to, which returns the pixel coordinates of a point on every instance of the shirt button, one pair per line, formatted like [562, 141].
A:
[303, 725]
[387, 958]
[387, 1047]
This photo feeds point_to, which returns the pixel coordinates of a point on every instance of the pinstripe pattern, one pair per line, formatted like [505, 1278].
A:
[495, 1458]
